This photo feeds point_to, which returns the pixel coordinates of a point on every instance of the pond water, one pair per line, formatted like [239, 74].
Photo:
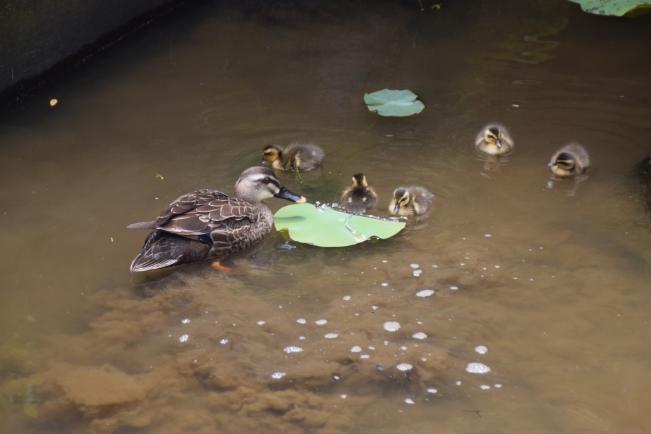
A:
[531, 309]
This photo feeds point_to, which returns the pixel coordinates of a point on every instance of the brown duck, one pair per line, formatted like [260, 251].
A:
[209, 224]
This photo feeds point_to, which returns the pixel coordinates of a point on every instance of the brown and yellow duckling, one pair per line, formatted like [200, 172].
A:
[411, 201]
[359, 197]
[300, 157]
[494, 139]
[570, 161]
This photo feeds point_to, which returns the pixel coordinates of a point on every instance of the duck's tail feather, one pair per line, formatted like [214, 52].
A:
[143, 225]
[162, 249]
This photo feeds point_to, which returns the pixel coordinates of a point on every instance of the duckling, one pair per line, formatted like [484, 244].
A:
[296, 157]
[359, 197]
[494, 139]
[570, 160]
[209, 224]
[412, 200]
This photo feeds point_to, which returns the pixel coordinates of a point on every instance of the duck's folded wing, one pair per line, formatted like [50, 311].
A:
[202, 214]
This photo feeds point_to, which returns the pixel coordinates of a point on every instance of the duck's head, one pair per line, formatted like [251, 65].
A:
[563, 164]
[271, 153]
[493, 136]
[359, 181]
[258, 183]
[400, 202]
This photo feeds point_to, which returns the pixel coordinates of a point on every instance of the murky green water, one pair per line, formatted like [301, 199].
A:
[553, 282]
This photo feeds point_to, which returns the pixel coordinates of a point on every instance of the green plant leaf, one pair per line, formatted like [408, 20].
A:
[617, 8]
[387, 102]
[327, 227]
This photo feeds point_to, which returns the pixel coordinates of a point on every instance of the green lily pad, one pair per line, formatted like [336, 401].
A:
[387, 102]
[327, 227]
[618, 8]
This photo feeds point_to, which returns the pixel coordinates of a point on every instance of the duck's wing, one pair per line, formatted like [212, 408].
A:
[202, 212]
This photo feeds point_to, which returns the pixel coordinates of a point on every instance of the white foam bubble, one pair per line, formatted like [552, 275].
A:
[419, 335]
[432, 390]
[186, 321]
[498, 386]
[301, 321]
[293, 349]
[404, 367]
[261, 322]
[409, 401]
[223, 341]
[321, 322]
[414, 266]
[343, 396]
[481, 349]
[477, 368]
[425, 293]
[278, 375]
[364, 356]
[384, 284]
[331, 335]
[356, 349]
[484, 387]
[458, 383]
[453, 287]
[184, 338]
[301, 338]
[392, 326]
[417, 273]
[346, 298]
[488, 235]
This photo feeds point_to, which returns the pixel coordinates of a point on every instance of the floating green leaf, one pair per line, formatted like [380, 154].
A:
[326, 227]
[617, 8]
[387, 102]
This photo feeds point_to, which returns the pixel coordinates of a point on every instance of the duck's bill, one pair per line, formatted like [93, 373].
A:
[283, 193]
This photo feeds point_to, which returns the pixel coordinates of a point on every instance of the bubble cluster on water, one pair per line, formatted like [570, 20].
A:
[223, 341]
[293, 349]
[278, 375]
[185, 321]
[477, 368]
[425, 293]
[404, 367]
[392, 326]
[356, 349]
[184, 338]
[301, 321]
[409, 401]
[481, 349]
[321, 322]
[331, 335]
[419, 336]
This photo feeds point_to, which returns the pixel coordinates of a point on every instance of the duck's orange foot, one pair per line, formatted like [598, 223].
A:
[220, 267]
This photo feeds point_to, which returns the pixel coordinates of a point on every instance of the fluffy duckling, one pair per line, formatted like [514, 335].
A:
[359, 197]
[570, 160]
[494, 139]
[295, 157]
[412, 200]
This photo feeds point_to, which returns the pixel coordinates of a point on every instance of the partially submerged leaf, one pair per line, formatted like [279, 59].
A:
[326, 227]
[387, 102]
[617, 8]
